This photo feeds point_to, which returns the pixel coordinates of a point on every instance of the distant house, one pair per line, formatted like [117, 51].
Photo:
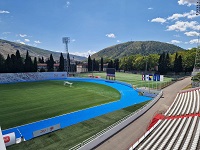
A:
[56, 67]
[72, 67]
[105, 66]
[40, 66]
[82, 68]
[44, 66]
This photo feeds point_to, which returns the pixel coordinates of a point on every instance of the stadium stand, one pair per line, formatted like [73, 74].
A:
[26, 77]
[180, 127]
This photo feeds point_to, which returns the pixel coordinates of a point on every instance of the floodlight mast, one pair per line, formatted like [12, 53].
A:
[66, 40]
[197, 58]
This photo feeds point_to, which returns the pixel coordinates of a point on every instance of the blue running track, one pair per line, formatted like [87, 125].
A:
[128, 97]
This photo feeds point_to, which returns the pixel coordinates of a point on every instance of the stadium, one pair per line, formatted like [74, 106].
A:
[177, 113]
[110, 92]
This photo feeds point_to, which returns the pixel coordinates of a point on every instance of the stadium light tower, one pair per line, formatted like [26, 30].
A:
[66, 40]
[197, 58]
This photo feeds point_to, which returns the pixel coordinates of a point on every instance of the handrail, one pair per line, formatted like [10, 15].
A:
[78, 146]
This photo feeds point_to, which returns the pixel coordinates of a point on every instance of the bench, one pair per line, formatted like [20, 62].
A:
[66, 82]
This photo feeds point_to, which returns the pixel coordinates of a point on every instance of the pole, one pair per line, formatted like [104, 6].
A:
[66, 40]
[92, 68]
[67, 59]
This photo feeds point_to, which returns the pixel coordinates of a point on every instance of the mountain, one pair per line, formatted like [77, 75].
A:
[7, 47]
[136, 47]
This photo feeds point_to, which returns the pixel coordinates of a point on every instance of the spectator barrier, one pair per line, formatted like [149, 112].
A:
[114, 128]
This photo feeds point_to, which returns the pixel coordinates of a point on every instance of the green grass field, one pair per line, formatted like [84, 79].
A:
[23, 103]
[134, 79]
[70, 136]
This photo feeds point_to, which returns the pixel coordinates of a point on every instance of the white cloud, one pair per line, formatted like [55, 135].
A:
[177, 35]
[175, 16]
[4, 38]
[73, 40]
[67, 4]
[175, 42]
[189, 15]
[111, 35]
[183, 26]
[17, 41]
[22, 35]
[160, 20]
[187, 2]
[26, 40]
[193, 41]
[22, 43]
[6, 33]
[192, 33]
[37, 42]
[4, 12]
[118, 41]
[84, 54]
[150, 8]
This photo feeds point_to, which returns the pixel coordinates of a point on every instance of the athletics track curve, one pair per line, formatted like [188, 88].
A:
[128, 97]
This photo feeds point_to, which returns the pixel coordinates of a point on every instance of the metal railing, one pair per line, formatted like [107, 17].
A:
[143, 108]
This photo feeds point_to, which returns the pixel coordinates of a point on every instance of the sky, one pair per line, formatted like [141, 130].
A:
[93, 25]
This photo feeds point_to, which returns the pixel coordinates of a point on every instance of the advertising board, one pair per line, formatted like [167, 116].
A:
[46, 130]
[2, 144]
[9, 139]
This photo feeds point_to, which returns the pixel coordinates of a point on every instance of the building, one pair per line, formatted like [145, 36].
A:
[44, 66]
[82, 68]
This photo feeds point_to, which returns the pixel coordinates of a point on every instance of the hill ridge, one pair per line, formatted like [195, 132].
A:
[8, 47]
[136, 47]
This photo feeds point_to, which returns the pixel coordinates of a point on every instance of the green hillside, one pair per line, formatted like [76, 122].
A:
[7, 47]
[136, 47]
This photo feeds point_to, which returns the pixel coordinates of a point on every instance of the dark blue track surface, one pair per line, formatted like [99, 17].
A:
[128, 97]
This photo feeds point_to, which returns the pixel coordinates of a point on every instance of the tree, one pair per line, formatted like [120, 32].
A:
[68, 62]
[13, 63]
[8, 64]
[2, 64]
[162, 64]
[140, 63]
[116, 64]
[19, 62]
[35, 66]
[180, 65]
[188, 59]
[110, 64]
[123, 64]
[153, 61]
[167, 61]
[176, 63]
[89, 63]
[93, 64]
[101, 63]
[42, 70]
[61, 63]
[50, 64]
[28, 65]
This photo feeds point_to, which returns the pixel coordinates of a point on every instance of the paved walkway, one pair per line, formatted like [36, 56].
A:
[129, 135]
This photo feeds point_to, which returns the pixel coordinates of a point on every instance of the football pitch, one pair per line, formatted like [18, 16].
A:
[27, 102]
[52, 98]
[134, 79]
